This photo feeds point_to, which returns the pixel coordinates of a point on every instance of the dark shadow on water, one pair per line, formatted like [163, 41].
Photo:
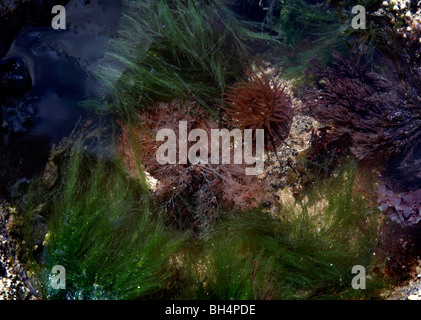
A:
[46, 74]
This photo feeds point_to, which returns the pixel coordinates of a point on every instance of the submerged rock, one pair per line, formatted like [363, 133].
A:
[45, 76]
[14, 281]
[55, 68]
[47, 73]
[14, 14]
[15, 80]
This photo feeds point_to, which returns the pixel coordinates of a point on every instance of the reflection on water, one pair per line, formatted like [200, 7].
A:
[60, 65]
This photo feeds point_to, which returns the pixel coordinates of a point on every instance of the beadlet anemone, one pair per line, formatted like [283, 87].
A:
[257, 104]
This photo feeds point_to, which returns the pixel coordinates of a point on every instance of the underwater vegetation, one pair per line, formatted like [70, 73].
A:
[191, 194]
[300, 19]
[403, 172]
[314, 29]
[375, 109]
[378, 117]
[322, 146]
[404, 209]
[304, 30]
[99, 226]
[260, 103]
[302, 251]
[114, 245]
[345, 129]
[169, 49]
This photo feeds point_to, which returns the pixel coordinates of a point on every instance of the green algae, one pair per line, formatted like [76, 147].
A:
[296, 252]
[100, 228]
[172, 49]
[314, 31]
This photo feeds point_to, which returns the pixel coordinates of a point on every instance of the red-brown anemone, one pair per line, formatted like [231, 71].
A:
[257, 104]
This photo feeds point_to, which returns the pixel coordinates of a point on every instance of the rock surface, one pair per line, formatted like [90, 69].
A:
[14, 14]
[14, 281]
[411, 290]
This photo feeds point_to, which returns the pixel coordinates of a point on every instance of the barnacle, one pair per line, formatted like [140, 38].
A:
[258, 105]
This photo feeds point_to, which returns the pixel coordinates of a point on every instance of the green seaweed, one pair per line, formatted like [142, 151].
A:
[99, 227]
[295, 252]
[306, 31]
[170, 49]
[309, 31]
